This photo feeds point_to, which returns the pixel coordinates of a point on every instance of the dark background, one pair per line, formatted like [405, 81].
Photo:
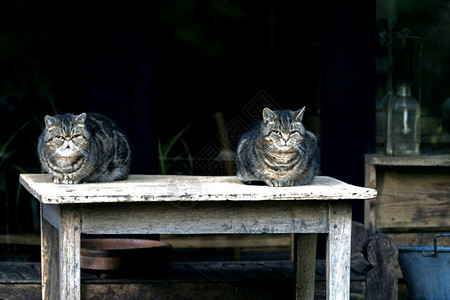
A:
[161, 67]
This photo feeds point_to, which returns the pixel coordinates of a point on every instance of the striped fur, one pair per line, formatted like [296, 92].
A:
[84, 148]
[279, 151]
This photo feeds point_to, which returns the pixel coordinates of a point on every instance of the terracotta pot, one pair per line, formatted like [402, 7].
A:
[108, 254]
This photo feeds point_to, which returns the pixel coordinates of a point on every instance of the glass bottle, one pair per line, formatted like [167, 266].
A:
[403, 123]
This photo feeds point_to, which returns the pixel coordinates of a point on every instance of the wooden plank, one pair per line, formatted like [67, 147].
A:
[235, 287]
[164, 291]
[339, 250]
[206, 218]
[148, 188]
[228, 240]
[205, 271]
[276, 274]
[413, 199]
[223, 271]
[37, 267]
[27, 272]
[261, 290]
[10, 274]
[169, 273]
[69, 251]
[49, 259]
[414, 160]
[284, 268]
[418, 239]
[188, 273]
[370, 181]
[33, 239]
[20, 291]
[240, 269]
[261, 269]
[305, 265]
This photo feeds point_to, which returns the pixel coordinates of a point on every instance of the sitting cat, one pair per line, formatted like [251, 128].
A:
[83, 148]
[279, 151]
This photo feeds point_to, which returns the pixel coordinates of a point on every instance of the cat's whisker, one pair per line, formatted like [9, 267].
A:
[300, 149]
[53, 154]
[84, 153]
[268, 149]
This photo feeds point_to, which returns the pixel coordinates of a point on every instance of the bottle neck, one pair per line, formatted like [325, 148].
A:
[404, 90]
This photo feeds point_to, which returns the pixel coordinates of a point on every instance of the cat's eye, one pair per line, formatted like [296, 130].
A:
[278, 132]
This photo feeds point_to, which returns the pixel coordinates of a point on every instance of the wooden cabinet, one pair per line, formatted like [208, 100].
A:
[413, 201]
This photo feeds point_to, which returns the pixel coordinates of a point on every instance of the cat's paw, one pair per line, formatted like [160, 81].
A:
[57, 179]
[65, 179]
[270, 182]
[279, 182]
[70, 179]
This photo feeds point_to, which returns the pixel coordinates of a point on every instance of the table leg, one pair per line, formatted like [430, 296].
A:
[339, 250]
[69, 251]
[60, 251]
[305, 265]
[49, 259]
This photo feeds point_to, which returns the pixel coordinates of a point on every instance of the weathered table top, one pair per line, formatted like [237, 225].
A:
[144, 204]
[143, 188]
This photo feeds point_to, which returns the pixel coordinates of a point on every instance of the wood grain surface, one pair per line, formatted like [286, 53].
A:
[142, 188]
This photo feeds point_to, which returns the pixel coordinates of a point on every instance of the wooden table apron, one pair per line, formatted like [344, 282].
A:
[64, 222]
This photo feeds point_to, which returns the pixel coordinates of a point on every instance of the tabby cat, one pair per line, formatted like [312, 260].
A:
[279, 151]
[83, 148]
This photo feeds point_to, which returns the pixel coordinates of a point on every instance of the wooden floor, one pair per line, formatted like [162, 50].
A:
[179, 280]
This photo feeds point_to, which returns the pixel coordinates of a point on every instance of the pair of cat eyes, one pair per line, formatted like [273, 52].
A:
[75, 136]
[278, 132]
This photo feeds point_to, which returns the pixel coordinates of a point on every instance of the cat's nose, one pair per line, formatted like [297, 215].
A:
[66, 145]
[285, 137]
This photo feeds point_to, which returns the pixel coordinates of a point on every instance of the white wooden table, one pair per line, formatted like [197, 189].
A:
[153, 204]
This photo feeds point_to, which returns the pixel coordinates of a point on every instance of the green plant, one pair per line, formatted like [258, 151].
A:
[6, 167]
[6, 153]
[18, 155]
[183, 160]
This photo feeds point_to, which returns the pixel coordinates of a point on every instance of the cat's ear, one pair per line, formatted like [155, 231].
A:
[268, 115]
[81, 119]
[298, 115]
[49, 121]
